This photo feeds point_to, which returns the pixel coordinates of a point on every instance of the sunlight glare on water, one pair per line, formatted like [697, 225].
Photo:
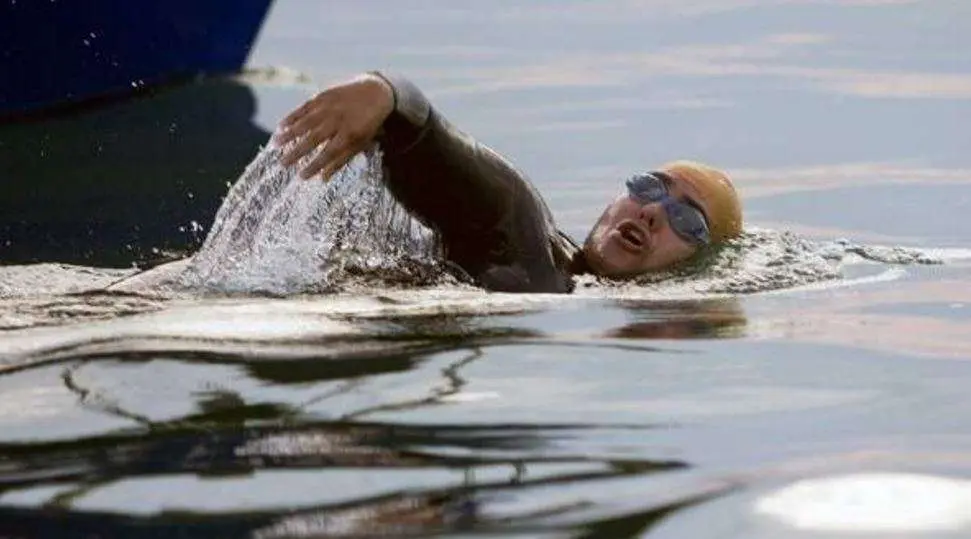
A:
[872, 502]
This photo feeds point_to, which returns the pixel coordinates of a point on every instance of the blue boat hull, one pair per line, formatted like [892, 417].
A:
[60, 53]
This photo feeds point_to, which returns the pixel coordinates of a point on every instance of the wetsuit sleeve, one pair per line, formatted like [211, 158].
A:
[492, 221]
[408, 121]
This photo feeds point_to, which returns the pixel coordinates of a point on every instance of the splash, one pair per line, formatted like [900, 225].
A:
[278, 234]
[762, 261]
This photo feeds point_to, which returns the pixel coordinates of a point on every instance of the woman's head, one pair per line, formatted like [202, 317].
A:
[664, 218]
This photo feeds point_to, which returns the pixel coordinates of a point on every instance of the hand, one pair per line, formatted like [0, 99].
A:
[345, 118]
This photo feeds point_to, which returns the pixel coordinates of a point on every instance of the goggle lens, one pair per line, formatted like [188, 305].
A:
[687, 221]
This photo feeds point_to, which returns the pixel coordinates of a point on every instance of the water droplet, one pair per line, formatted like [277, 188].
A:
[319, 241]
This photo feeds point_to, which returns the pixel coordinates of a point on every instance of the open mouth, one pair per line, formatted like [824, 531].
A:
[632, 237]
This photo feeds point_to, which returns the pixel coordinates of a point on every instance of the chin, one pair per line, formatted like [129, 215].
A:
[602, 265]
[601, 256]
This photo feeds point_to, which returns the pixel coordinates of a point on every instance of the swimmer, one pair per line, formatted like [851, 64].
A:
[492, 222]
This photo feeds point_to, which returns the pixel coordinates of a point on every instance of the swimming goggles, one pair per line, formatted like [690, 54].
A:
[685, 218]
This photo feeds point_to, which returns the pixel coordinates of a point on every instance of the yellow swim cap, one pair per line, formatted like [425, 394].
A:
[724, 211]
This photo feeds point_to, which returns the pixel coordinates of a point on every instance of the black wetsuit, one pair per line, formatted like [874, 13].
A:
[492, 221]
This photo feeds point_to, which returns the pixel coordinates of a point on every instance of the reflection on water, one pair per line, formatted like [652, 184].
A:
[223, 442]
[473, 475]
[463, 430]
[896, 318]
[699, 319]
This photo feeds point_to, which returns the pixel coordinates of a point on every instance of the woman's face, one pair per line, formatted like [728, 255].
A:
[632, 238]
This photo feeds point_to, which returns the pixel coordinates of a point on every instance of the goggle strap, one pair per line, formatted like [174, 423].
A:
[666, 178]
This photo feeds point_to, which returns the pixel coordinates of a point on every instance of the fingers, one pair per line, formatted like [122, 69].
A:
[323, 158]
[313, 119]
[303, 110]
[314, 136]
[336, 154]
[303, 118]
[344, 118]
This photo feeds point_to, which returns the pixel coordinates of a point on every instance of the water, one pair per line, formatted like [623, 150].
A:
[278, 234]
[809, 381]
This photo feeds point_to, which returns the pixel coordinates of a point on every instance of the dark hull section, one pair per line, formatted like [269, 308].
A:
[136, 181]
[59, 54]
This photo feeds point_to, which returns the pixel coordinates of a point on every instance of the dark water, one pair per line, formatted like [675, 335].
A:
[669, 410]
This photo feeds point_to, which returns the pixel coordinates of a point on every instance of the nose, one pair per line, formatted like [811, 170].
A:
[653, 216]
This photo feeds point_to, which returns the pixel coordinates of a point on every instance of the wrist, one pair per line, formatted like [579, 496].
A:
[376, 79]
[406, 99]
[379, 92]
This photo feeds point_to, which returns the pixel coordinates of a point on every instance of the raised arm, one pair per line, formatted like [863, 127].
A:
[492, 221]
[346, 117]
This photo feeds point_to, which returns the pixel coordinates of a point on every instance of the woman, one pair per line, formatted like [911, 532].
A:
[491, 220]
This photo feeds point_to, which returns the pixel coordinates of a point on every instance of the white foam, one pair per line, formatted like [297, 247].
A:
[952, 254]
[888, 275]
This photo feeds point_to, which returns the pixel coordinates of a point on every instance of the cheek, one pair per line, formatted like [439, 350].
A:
[607, 221]
[671, 249]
